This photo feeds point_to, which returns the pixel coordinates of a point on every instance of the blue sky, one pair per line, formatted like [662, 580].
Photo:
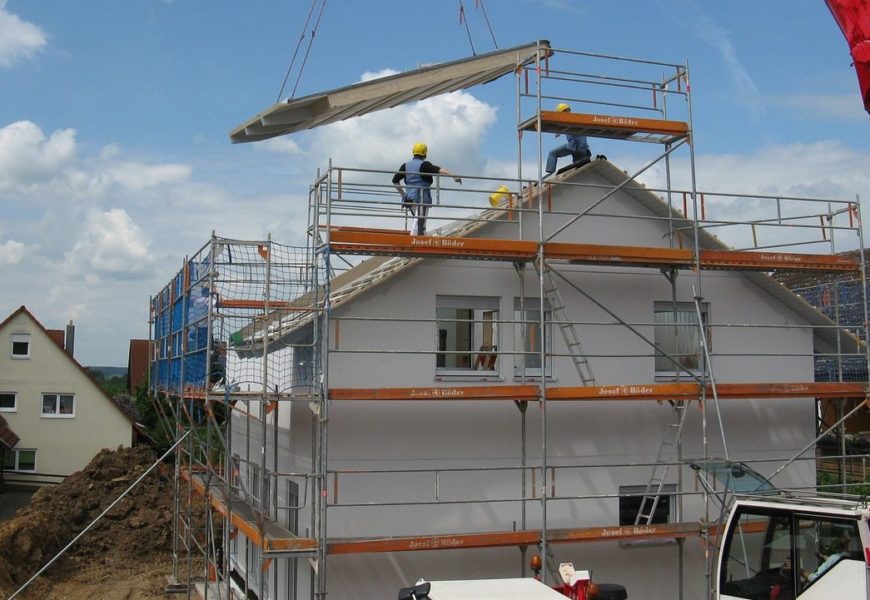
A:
[115, 160]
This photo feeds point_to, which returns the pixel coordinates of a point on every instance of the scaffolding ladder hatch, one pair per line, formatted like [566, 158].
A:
[608, 126]
[267, 534]
[377, 242]
[513, 538]
[654, 391]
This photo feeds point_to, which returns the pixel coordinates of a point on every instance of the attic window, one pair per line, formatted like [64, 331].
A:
[20, 345]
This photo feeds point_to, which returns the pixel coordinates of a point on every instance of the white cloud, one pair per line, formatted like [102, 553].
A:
[11, 253]
[111, 245]
[138, 176]
[19, 40]
[821, 170]
[282, 145]
[843, 107]
[27, 156]
[452, 125]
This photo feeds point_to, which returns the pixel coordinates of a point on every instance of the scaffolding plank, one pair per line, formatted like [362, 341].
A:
[482, 392]
[376, 242]
[513, 538]
[266, 534]
[653, 391]
[608, 126]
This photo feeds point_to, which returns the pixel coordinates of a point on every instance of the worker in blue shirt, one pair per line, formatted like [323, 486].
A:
[577, 146]
[416, 196]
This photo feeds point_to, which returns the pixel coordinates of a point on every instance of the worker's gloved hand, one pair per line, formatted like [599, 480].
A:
[458, 180]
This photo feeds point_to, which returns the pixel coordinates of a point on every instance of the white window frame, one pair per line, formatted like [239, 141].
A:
[532, 305]
[480, 354]
[57, 400]
[14, 407]
[16, 462]
[683, 308]
[20, 338]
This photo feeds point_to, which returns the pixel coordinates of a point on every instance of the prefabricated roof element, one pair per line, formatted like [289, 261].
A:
[387, 92]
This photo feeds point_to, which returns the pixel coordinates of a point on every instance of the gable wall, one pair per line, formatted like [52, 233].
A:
[63, 445]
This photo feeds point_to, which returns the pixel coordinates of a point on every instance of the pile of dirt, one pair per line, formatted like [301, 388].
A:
[138, 528]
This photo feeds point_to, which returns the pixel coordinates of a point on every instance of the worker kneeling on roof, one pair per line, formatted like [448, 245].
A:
[577, 146]
[416, 196]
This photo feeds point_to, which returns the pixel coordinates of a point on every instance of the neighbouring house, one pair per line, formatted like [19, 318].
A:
[59, 415]
[137, 365]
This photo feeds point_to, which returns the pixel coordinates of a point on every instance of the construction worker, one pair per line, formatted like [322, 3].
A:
[577, 146]
[417, 174]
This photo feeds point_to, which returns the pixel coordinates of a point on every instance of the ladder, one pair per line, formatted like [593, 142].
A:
[569, 332]
[666, 454]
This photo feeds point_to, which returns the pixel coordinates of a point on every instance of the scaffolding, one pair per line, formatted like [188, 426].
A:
[246, 336]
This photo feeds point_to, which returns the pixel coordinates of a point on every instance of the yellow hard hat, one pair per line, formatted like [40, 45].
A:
[420, 149]
[500, 195]
[562, 107]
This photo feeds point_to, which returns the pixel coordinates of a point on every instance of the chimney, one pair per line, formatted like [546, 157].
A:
[70, 339]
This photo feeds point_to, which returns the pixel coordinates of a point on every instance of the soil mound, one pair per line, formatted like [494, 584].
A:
[137, 528]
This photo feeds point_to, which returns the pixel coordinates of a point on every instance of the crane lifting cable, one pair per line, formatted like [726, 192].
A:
[463, 20]
[296, 50]
[853, 17]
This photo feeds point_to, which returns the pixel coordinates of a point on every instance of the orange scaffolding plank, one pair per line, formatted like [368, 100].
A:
[513, 538]
[608, 126]
[261, 305]
[375, 242]
[266, 534]
[480, 392]
[848, 389]
[653, 391]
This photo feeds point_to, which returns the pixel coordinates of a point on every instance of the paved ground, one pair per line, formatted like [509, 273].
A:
[11, 500]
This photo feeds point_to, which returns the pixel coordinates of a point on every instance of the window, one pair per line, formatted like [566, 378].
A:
[20, 345]
[776, 549]
[631, 498]
[467, 328]
[528, 342]
[677, 335]
[58, 405]
[19, 460]
[7, 402]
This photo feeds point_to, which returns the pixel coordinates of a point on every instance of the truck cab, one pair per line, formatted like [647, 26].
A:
[789, 546]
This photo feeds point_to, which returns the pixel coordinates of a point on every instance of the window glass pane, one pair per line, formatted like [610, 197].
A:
[7, 401]
[49, 404]
[677, 334]
[455, 337]
[823, 544]
[9, 459]
[467, 330]
[27, 460]
[66, 405]
[758, 557]
[529, 339]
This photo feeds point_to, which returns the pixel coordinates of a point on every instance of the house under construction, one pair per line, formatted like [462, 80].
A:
[559, 368]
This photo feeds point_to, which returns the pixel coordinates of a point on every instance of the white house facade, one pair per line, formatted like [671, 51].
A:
[61, 417]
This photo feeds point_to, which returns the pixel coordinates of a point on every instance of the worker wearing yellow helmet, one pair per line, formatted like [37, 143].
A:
[417, 174]
[576, 146]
